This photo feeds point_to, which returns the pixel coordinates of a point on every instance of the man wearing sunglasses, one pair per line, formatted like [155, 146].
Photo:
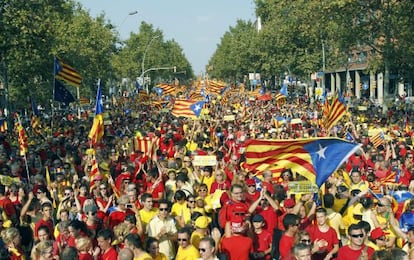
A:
[162, 227]
[356, 248]
[186, 251]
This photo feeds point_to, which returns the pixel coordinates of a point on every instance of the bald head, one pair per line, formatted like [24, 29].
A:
[126, 254]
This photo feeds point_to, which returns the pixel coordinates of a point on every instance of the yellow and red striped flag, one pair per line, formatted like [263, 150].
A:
[337, 110]
[378, 139]
[167, 89]
[66, 73]
[22, 138]
[3, 125]
[316, 159]
[97, 130]
[187, 108]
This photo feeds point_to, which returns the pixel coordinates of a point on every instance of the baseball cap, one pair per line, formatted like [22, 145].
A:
[250, 182]
[202, 222]
[289, 203]
[236, 223]
[377, 233]
[257, 218]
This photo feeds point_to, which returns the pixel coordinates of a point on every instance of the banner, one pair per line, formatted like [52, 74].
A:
[204, 160]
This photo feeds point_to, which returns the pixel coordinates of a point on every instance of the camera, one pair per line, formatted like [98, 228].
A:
[129, 206]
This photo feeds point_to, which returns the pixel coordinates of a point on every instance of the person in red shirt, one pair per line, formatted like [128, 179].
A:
[118, 215]
[267, 181]
[235, 244]
[46, 220]
[154, 185]
[266, 207]
[7, 205]
[251, 195]
[234, 206]
[356, 248]
[105, 251]
[263, 238]
[291, 223]
[324, 236]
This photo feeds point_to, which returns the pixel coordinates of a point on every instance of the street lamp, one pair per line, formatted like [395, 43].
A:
[143, 60]
[126, 17]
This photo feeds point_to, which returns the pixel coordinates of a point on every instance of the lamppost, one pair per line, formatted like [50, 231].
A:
[126, 17]
[143, 61]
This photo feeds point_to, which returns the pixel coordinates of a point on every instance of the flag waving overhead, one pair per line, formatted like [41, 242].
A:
[35, 121]
[67, 74]
[97, 130]
[187, 108]
[315, 159]
[22, 138]
[337, 110]
[61, 94]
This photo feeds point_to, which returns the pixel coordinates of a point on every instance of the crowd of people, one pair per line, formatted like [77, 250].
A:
[67, 199]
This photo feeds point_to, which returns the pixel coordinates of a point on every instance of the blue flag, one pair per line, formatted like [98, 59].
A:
[99, 108]
[61, 94]
[284, 90]
[349, 137]
[138, 86]
[402, 195]
[197, 107]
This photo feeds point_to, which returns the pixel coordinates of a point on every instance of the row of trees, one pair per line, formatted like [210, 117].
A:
[291, 39]
[33, 32]
[293, 33]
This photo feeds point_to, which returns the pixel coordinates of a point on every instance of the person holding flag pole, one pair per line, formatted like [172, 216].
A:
[23, 144]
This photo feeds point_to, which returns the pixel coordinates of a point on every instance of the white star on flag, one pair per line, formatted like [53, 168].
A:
[197, 107]
[321, 152]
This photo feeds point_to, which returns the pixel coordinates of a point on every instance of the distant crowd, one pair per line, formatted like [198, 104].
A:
[138, 195]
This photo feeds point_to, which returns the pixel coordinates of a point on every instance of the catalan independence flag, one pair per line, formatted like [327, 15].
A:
[67, 74]
[187, 108]
[337, 110]
[378, 139]
[167, 89]
[315, 159]
[215, 87]
[97, 130]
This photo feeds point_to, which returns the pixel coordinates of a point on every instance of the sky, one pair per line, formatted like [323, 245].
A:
[196, 25]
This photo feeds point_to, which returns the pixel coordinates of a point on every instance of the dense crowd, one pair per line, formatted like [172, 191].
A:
[67, 199]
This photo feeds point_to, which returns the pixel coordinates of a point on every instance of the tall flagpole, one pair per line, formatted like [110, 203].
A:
[53, 98]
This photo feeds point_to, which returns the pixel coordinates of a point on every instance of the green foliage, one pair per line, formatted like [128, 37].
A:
[34, 32]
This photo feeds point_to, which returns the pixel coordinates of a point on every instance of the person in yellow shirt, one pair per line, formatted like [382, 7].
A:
[378, 239]
[357, 183]
[148, 211]
[381, 218]
[133, 242]
[201, 229]
[186, 251]
[179, 209]
[153, 248]
[207, 177]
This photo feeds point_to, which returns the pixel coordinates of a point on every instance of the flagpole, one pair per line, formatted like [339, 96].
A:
[53, 93]
[78, 96]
